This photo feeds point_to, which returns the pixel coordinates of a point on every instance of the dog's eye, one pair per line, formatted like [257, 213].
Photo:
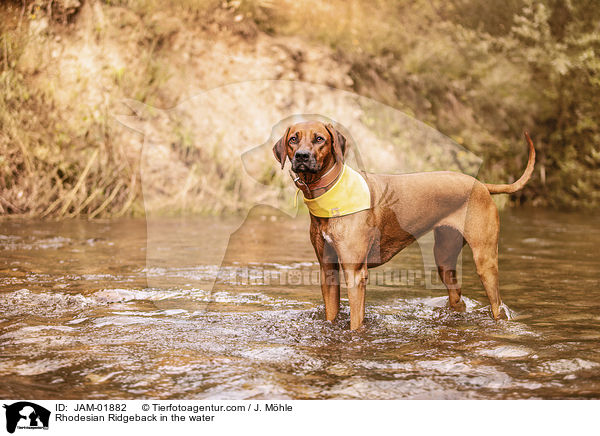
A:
[293, 140]
[319, 139]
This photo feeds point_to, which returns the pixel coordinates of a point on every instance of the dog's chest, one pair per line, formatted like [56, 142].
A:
[327, 236]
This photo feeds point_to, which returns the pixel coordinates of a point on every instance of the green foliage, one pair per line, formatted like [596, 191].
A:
[561, 54]
[482, 71]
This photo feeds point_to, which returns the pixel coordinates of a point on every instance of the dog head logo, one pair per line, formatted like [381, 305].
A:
[26, 415]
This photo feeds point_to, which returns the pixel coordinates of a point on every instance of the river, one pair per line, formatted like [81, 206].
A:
[212, 308]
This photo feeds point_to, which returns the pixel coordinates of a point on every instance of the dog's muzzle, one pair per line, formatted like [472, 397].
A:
[304, 162]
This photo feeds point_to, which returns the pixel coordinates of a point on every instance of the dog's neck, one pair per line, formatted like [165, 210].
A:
[314, 185]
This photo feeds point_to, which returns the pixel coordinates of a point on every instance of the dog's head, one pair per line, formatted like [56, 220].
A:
[311, 146]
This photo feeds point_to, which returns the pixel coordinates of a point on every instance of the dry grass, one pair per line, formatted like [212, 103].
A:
[60, 155]
[63, 153]
[66, 65]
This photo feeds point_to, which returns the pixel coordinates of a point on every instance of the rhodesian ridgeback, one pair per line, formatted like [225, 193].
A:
[457, 207]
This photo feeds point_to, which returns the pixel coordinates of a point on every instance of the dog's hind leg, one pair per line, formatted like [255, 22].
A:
[448, 243]
[486, 262]
[481, 232]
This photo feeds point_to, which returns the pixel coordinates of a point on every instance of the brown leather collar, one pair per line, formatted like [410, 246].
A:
[322, 184]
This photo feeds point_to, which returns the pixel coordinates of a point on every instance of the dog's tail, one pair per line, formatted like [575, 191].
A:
[519, 184]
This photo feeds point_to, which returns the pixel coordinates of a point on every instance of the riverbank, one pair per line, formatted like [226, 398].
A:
[479, 75]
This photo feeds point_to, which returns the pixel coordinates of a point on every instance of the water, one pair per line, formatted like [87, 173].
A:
[122, 309]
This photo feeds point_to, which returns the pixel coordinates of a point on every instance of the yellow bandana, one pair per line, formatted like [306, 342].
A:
[350, 194]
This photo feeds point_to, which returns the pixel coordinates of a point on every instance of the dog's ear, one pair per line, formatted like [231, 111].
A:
[338, 142]
[279, 149]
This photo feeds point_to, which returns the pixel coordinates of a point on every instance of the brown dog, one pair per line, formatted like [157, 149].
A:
[457, 207]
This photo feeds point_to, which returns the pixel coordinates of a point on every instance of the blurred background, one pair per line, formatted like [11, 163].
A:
[478, 71]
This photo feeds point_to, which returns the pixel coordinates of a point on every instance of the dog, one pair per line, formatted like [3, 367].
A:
[401, 208]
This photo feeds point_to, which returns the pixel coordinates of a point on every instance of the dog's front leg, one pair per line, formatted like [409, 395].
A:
[352, 249]
[330, 271]
[330, 288]
[356, 281]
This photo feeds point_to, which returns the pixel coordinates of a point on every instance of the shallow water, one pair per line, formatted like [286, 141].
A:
[129, 309]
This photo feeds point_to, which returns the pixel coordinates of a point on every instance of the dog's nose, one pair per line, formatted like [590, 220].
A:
[302, 155]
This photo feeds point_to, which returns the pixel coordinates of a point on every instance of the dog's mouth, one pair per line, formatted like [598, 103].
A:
[302, 167]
